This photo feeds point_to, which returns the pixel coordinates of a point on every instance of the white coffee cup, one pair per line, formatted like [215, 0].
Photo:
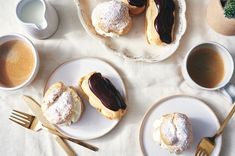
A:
[10, 37]
[227, 88]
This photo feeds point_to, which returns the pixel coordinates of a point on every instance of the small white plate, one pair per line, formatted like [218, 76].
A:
[92, 124]
[133, 46]
[204, 122]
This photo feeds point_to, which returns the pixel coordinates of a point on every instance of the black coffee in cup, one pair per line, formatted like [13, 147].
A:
[206, 67]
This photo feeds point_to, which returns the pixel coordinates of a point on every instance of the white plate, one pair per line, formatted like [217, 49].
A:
[92, 124]
[134, 46]
[204, 122]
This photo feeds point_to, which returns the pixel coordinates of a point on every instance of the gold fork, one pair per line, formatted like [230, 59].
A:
[207, 144]
[31, 122]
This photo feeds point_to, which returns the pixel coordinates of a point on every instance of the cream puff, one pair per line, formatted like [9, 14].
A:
[102, 95]
[136, 6]
[62, 104]
[111, 18]
[159, 20]
[173, 132]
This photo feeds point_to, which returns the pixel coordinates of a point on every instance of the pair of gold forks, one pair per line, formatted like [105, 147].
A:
[32, 123]
[204, 148]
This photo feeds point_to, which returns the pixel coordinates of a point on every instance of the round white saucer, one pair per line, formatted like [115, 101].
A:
[204, 122]
[92, 124]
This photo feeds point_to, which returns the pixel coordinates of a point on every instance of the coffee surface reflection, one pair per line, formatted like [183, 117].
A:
[206, 67]
[16, 63]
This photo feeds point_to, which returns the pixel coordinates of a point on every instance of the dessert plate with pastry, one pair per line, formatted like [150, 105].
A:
[85, 98]
[138, 30]
[174, 126]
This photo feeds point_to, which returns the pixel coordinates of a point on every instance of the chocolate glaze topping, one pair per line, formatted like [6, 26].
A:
[106, 92]
[165, 19]
[137, 3]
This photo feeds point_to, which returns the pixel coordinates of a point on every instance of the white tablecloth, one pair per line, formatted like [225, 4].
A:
[145, 83]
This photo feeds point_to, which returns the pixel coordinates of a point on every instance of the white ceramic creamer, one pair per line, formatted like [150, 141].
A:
[38, 18]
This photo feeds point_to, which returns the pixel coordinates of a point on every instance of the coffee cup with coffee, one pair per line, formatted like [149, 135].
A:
[209, 66]
[19, 62]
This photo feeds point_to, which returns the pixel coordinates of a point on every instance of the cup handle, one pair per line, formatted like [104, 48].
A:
[229, 91]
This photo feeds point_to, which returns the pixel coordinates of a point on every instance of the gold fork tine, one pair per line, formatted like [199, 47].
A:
[199, 152]
[21, 116]
[206, 154]
[18, 116]
[20, 123]
[203, 152]
[25, 115]
[208, 144]
[27, 120]
[196, 154]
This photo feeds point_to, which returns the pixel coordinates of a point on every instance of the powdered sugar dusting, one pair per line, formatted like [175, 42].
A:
[61, 108]
[183, 132]
[139, 50]
[51, 96]
[168, 129]
[173, 132]
[111, 16]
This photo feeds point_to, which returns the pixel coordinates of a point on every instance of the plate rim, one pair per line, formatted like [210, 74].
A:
[87, 58]
[121, 54]
[158, 102]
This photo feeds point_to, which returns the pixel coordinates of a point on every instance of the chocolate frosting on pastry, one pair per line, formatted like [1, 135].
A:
[137, 3]
[106, 92]
[165, 19]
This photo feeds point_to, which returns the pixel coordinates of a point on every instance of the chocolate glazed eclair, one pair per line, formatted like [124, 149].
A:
[102, 95]
[136, 6]
[160, 19]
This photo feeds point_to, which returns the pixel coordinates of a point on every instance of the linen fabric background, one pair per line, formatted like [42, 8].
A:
[145, 83]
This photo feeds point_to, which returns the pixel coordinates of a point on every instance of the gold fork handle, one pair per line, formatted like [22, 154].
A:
[91, 147]
[225, 122]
